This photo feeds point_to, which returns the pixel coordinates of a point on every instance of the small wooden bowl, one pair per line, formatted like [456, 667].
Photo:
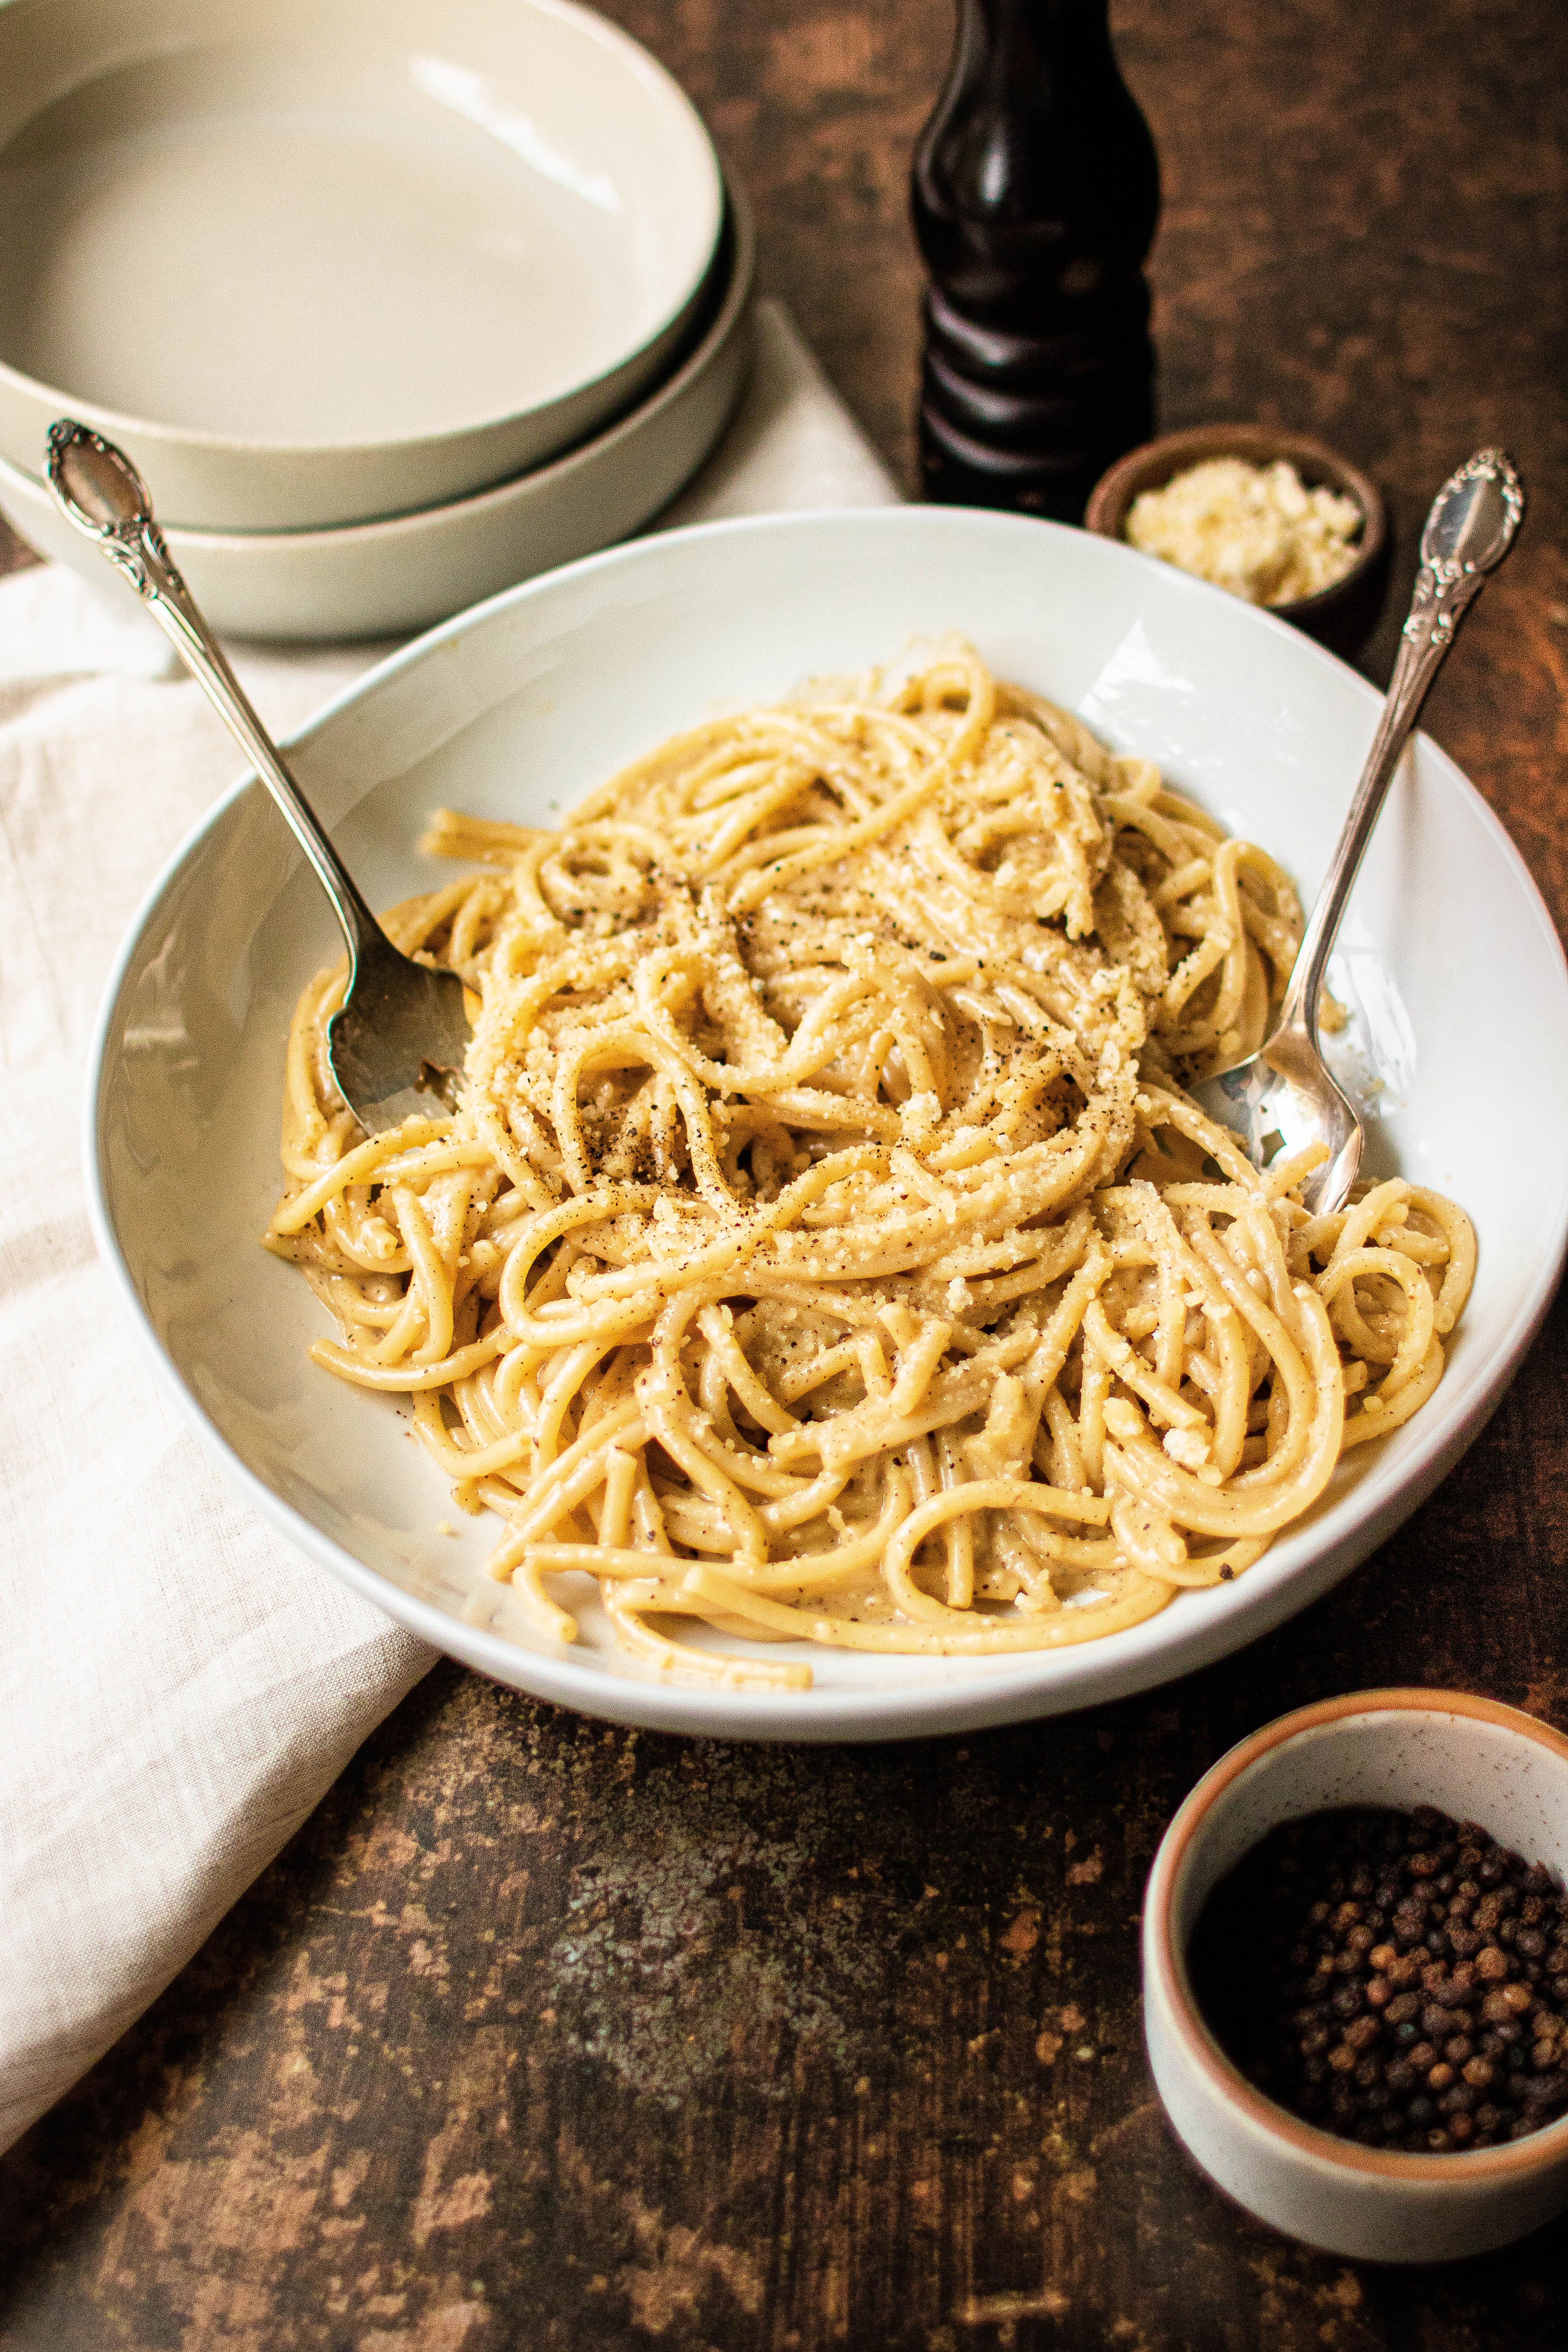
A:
[1342, 617]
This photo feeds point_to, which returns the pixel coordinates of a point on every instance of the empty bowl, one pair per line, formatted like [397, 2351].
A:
[1471, 1758]
[1342, 616]
[388, 578]
[314, 261]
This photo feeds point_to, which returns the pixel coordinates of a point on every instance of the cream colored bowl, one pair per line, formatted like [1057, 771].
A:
[1471, 1758]
[515, 711]
[313, 261]
[385, 579]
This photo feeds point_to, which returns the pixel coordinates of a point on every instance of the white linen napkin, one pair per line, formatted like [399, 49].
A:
[179, 1687]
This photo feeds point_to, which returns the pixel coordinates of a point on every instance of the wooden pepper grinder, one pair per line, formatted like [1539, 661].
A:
[1035, 194]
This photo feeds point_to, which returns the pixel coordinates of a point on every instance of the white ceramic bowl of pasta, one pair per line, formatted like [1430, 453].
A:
[514, 710]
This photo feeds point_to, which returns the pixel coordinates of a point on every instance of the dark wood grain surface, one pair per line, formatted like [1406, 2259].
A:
[547, 2035]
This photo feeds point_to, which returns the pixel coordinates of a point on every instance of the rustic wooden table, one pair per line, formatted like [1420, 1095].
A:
[546, 2035]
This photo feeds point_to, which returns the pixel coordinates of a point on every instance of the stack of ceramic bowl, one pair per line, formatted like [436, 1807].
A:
[393, 303]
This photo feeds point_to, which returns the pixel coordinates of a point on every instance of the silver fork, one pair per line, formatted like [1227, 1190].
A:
[1282, 1098]
[397, 1045]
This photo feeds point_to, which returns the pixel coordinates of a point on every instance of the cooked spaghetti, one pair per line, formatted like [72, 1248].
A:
[825, 1249]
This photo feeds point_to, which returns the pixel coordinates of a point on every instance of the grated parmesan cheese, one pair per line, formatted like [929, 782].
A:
[1258, 530]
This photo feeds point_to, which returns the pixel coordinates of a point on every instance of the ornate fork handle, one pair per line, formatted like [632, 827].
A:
[1446, 583]
[1472, 524]
[122, 523]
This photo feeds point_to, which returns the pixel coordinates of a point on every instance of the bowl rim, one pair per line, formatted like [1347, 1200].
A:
[1166, 1964]
[736, 254]
[647, 69]
[827, 1713]
[1193, 444]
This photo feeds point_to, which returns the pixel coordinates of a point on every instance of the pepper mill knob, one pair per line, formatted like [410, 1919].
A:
[1035, 194]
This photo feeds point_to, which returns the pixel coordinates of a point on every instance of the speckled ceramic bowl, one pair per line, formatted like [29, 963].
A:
[1342, 617]
[1470, 1757]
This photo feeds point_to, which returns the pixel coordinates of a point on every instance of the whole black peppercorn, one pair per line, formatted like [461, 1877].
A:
[1397, 1978]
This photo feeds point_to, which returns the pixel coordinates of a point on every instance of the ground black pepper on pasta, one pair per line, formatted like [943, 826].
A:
[1396, 1978]
[825, 1249]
